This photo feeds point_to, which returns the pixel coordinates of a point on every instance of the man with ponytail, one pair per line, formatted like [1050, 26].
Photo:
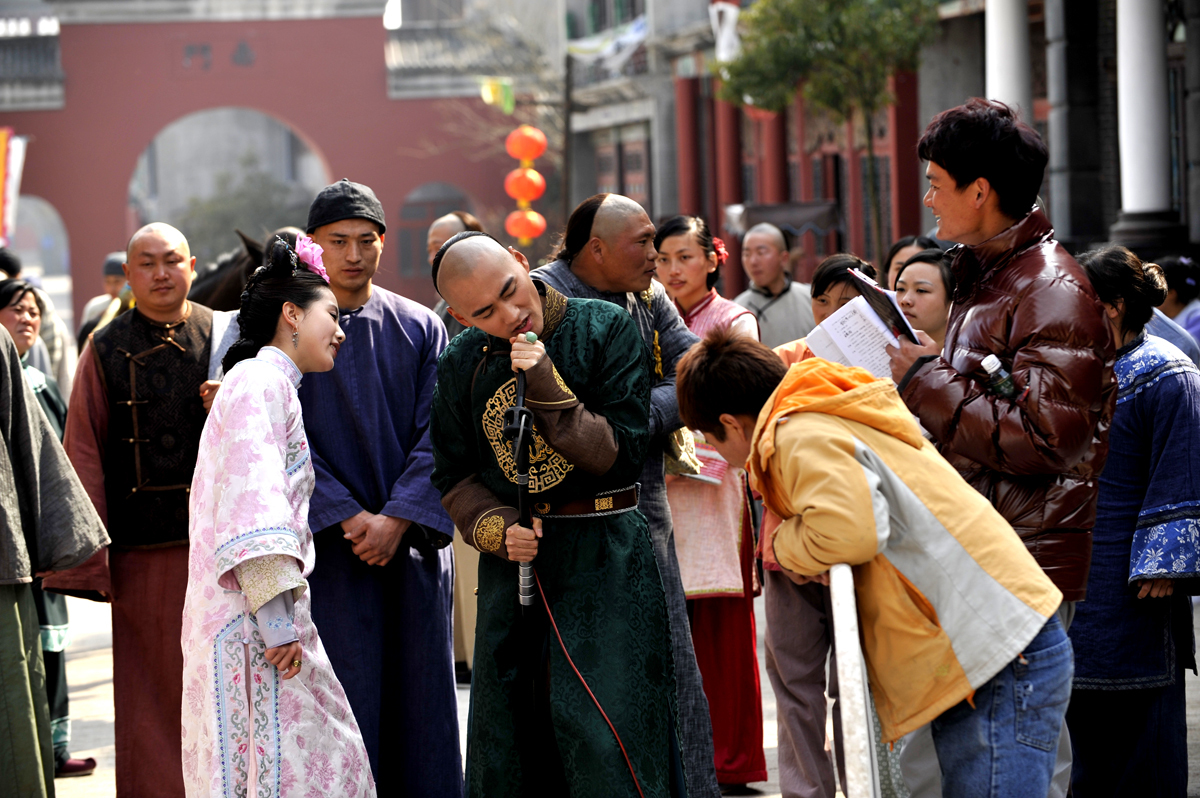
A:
[608, 253]
[133, 434]
[382, 594]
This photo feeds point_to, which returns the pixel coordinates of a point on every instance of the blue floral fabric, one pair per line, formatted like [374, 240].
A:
[1147, 526]
[1167, 539]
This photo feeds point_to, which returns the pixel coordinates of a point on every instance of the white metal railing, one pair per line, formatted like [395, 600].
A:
[854, 701]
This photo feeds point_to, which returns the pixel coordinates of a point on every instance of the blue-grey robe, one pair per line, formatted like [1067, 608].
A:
[388, 630]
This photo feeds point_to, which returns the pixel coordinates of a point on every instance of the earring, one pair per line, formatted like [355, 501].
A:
[295, 339]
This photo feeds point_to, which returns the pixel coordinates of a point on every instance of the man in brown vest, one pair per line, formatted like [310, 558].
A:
[133, 432]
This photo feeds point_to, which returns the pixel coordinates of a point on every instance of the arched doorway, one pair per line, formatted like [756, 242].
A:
[224, 169]
[424, 204]
[40, 241]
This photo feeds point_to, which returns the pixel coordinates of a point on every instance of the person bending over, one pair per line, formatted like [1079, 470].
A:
[958, 621]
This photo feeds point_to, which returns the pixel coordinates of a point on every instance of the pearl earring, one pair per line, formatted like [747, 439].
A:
[295, 339]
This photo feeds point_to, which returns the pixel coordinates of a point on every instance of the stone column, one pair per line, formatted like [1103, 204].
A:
[1072, 30]
[1006, 54]
[1146, 221]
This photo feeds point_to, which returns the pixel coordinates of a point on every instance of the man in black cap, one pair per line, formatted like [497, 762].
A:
[382, 596]
[114, 281]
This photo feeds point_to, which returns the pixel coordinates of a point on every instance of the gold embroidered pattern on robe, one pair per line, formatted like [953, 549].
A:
[489, 533]
[547, 467]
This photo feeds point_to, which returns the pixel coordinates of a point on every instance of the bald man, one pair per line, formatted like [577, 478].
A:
[782, 306]
[466, 559]
[534, 729]
[440, 232]
[133, 432]
[608, 254]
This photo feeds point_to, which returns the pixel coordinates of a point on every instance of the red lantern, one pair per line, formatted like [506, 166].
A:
[525, 224]
[525, 184]
[526, 143]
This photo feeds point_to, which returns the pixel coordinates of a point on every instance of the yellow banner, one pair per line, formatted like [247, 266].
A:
[5, 137]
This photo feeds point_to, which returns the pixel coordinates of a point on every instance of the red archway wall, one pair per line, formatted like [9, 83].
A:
[325, 78]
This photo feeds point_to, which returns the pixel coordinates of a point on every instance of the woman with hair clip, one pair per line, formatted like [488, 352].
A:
[1133, 635]
[263, 712]
[714, 536]
[924, 285]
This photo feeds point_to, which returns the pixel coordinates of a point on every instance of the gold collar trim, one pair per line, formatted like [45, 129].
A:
[554, 308]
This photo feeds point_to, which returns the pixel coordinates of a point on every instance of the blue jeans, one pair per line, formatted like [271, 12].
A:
[1005, 745]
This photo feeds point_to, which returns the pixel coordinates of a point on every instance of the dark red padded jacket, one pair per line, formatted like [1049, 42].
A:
[1023, 298]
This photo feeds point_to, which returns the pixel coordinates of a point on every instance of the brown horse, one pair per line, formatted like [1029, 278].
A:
[219, 285]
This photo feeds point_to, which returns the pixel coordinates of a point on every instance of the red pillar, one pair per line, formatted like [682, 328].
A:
[854, 203]
[729, 188]
[805, 188]
[687, 146]
[773, 177]
[903, 123]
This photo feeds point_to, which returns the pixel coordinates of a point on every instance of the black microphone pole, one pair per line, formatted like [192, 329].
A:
[518, 425]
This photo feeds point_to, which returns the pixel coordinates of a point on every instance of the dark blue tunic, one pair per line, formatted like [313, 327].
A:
[1147, 525]
[387, 629]
[1127, 717]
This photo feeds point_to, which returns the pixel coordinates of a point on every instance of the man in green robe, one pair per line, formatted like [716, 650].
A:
[534, 729]
[46, 524]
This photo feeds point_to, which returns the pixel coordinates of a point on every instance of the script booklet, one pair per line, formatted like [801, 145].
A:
[859, 332]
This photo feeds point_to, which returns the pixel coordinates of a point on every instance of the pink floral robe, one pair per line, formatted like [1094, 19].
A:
[242, 724]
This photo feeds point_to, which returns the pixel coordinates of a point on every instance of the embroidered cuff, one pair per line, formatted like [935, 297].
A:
[263, 578]
[480, 517]
[276, 620]
[545, 388]
[487, 533]
[1165, 551]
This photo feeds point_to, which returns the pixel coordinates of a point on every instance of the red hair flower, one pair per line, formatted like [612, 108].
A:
[719, 248]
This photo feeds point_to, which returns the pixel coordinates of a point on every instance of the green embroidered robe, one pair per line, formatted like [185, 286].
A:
[590, 398]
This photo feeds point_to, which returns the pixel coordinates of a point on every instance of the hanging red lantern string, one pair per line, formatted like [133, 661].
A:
[525, 225]
[526, 143]
[525, 184]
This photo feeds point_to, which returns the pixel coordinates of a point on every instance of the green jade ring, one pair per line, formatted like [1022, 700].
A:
[531, 337]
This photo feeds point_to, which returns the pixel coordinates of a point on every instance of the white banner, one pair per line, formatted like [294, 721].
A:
[12, 186]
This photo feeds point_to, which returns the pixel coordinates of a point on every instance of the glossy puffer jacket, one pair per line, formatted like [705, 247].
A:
[1038, 457]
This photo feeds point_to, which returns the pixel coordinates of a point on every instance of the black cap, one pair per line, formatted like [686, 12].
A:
[10, 264]
[345, 200]
[112, 264]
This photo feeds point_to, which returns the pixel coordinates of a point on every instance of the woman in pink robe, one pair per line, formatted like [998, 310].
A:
[263, 713]
[713, 533]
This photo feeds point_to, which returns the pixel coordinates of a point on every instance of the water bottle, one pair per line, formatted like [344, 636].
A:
[1000, 382]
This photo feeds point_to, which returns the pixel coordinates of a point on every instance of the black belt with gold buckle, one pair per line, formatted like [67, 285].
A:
[609, 502]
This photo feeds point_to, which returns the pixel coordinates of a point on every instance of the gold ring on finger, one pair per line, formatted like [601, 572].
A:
[296, 664]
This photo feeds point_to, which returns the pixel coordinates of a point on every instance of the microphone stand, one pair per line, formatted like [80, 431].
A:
[518, 427]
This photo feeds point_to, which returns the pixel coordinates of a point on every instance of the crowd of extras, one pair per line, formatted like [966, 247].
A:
[1019, 501]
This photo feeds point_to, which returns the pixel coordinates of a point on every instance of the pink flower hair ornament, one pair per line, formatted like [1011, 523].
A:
[719, 248]
[309, 253]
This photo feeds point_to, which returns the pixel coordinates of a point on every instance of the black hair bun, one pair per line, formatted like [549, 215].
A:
[281, 259]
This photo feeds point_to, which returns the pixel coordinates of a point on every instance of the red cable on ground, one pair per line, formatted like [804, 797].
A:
[582, 681]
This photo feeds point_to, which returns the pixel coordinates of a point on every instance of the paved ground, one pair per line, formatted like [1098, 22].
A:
[89, 671]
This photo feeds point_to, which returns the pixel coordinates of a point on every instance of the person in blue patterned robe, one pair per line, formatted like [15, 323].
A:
[1133, 635]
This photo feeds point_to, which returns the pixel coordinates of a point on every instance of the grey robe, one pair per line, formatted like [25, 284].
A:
[47, 523]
